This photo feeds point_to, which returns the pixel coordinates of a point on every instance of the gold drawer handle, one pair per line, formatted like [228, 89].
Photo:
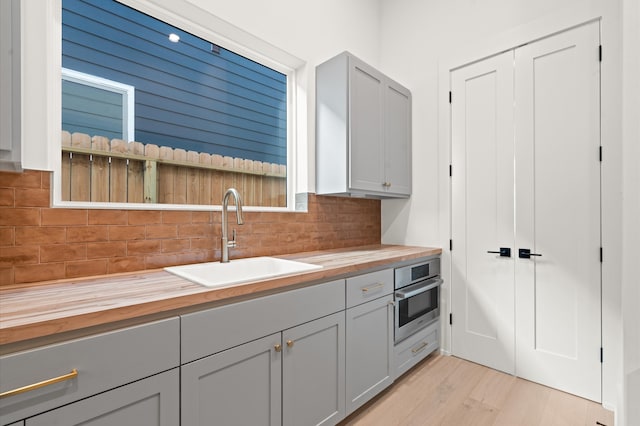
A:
[34, 386]
[290, 343]
[419, 348]
[277, 347]
[375, 287]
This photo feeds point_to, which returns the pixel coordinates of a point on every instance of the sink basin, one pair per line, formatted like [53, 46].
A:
[216, 274]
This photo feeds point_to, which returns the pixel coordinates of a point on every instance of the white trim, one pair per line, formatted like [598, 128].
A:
[199, 22]
[127, 91]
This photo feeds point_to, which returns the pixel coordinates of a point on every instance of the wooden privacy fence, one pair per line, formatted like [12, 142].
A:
[98, 169]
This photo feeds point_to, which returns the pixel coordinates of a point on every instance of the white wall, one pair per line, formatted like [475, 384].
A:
[420, 41]
[631, 209]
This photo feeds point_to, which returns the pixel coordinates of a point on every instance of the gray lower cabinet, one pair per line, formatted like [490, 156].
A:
[295, 377]
[369, 350]
[313, 371]
[153, 401]
[239, 386]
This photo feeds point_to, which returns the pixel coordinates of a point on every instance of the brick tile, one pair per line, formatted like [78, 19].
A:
[145, 217]
[27, 197]
[196, 230]
[201, 217]
[162, 260]
[204, 243]
[46, 180]
[162, 231]
[19, 216]
[41, 272]
[64, 217]
[143, 247]
[62, 252]
[108, 217]
[7, 236]
[122, 233]
[175, 246]
[87, 234]
[171, 216]
[125, 264]
[7, 197]
[106, 249]
[86, 268]
[6, 276]
[26, 179]
[36, 235]
[10, 256]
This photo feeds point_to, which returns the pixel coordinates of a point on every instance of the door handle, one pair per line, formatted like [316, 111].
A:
[504, 252]
[526, 253]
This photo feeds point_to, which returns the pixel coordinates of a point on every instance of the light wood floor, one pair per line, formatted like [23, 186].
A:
[445, 390]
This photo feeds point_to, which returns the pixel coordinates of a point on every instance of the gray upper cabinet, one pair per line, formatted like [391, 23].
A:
[363, 131]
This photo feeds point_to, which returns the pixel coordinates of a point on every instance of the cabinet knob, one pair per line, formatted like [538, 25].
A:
[387, 184]
[277, 347]
[290, 343]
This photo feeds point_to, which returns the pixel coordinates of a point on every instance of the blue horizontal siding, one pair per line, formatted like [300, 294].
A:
[186, 96]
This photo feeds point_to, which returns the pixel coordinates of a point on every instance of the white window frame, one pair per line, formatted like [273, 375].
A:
[42, 47]
[127, 92]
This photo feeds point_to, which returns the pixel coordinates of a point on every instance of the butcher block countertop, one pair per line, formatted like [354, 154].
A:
[32, 312]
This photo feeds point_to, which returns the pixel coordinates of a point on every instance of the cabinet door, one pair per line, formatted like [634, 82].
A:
[366, 142]
[313, 365]
[369, 350]
[150, 402]
[397, 138]
[239, 386]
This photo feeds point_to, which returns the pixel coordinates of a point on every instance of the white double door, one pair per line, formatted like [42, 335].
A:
[526, 175]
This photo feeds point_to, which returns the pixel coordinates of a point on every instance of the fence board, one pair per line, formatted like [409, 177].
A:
[80, 169]
[118, 173]
[134, 172]
[100, 170]
[65, 168]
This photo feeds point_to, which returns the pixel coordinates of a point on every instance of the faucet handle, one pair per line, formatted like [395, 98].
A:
[232, 243]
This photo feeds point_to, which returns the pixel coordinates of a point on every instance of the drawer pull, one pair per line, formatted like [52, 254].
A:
[290, 343]
[419, 348]
[34, 386]
[375, 287]
[277, 347]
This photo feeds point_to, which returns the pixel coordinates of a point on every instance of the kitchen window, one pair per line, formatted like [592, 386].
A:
[206, 117]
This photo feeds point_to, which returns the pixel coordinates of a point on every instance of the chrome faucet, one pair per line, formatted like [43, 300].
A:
[225, 205]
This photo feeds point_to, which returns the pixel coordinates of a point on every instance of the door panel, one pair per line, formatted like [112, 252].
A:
[558, 211]
[482, 221]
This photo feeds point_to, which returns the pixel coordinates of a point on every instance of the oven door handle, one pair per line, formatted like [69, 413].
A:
[415, 289]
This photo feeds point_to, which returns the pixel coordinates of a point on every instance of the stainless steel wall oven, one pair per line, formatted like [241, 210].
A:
[417, 297]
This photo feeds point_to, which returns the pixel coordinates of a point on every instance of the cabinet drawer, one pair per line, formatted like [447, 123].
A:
[102, 362]
[414, 349]
[214, 330]
[370, 286]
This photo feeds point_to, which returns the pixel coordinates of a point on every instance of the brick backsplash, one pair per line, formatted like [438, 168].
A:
[39, 243]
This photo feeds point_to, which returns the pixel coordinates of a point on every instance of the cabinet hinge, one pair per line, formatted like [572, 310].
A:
[450, 319]
[600, 53]
[601, 255]
[600, 152]
[601, 355]
[450, 245]
[450, 96]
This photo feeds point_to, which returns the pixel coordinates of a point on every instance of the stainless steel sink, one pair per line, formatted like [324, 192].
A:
[237, 271]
